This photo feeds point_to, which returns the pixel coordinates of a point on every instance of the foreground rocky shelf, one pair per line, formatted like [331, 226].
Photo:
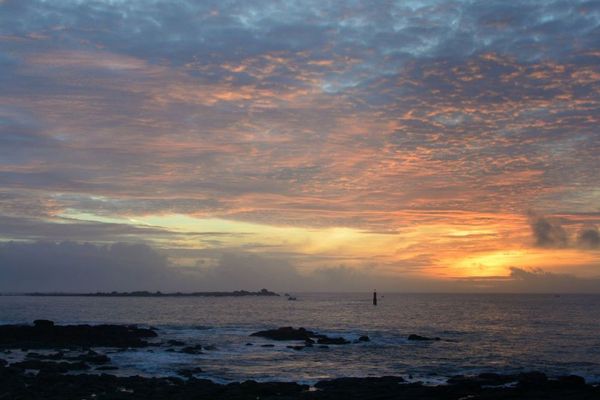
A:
[67, 368]
[18, 383]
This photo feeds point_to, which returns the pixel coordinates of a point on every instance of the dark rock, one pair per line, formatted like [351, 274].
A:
[106, 368]
[295, 347]
[328, 340]
[289, 333]
[175, 343]
[53, 356]
[364, 338]
[189, 372]
[249, 344]
[51, 366]
[422, 338]
[43, 323]
[286, 333]
[323, 347]
[532, 378]
[267, 345]
[44, 334]
[197, 349]
[572, 380]
[91, 357]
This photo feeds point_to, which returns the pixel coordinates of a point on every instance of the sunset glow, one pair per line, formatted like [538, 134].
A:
[401, 142]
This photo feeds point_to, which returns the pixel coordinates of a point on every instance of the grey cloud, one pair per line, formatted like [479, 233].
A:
[73, 267]
[546, 282]
[83, 267]
[548, 233]
[589, 238]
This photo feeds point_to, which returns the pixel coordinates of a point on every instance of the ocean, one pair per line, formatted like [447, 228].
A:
[503, 333]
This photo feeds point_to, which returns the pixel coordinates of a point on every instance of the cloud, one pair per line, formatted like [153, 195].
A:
[69, 266]
[530, 280]
[547, 233]
[589, 238]
[398, 117]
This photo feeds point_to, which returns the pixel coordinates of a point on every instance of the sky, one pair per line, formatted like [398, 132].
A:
[300, 145]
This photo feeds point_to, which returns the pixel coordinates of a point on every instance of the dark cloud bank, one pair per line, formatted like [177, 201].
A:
[83, 267]
[549, 232]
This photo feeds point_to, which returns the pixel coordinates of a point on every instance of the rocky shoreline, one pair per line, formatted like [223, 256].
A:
[67, 364]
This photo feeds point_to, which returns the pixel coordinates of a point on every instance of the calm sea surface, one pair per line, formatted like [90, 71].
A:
[499, 333]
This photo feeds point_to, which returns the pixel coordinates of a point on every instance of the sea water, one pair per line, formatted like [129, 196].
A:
[503, 333]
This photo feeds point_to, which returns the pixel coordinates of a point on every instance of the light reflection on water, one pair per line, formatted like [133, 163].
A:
[503, 333]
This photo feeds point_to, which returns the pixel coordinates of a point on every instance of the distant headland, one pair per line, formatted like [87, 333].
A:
[236, 293]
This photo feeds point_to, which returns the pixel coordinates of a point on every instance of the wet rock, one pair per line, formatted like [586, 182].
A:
[51, 366]
[572, 380]
[91, 357]
[43, 323]
[106, 368]
[422, 338]
[336, 341]
[289, 333]
[532, 378]
[297, 348]
[364, 338]
[53, 356]
[197, 349]
[44, 334]
[267, 345]
[285, 333]
[189, 372]
[249, 344]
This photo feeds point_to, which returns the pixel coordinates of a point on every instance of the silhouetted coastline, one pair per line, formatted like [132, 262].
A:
[236, 293]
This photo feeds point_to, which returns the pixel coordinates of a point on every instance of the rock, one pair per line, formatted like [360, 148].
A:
[189, 372]
[422, 338]
[336, 341]
[569, 380]
[532, 378]
[91, 357]
[197, 349]
[249, 344]
[297, 348]
[54, 356]
[289, 333]
[51, 366]
[285, 333]
[106, 368]
[44, 334]
[364, 338]
[267, 345]
[43, 323]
